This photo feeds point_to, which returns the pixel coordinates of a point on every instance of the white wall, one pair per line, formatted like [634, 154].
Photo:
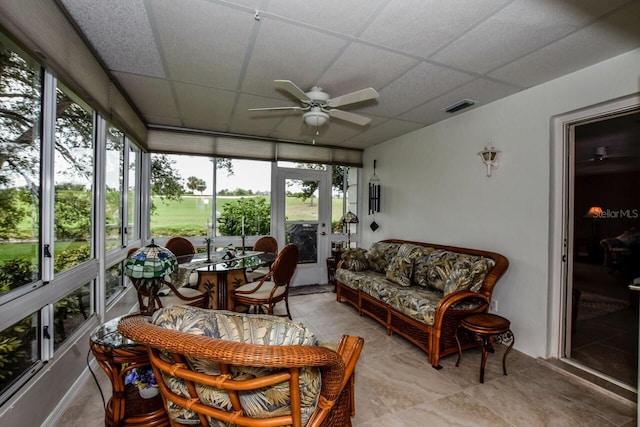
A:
[435, 187]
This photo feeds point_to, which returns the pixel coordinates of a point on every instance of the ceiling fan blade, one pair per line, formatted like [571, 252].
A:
[294, 90]
[353, 97]
[349, 117]
[278, 108]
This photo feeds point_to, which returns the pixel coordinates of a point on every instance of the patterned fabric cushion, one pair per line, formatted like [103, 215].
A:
[354, 279]
[468, 273]
[421, 270]
[419, 303]
[413, 251]
[254, 329]
[400, 270]
[355, 259]
[379, 287]
[439, 268]
[380, 254]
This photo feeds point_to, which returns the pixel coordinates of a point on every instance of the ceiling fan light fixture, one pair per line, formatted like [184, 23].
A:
[315, 118]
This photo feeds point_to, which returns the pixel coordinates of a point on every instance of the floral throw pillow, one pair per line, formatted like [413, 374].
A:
[380, 254]
[400, 270]
[355, 260]
[467, 274]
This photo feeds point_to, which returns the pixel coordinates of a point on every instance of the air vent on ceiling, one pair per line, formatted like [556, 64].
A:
[460, 105]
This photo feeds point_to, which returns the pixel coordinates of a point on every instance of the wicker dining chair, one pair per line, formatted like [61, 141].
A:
[272, 288]
[180, 247]
[210, 370]
[263, 244]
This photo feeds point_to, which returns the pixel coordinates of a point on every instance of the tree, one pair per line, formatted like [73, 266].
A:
[198, 184]
[310, 187]
[256, 213]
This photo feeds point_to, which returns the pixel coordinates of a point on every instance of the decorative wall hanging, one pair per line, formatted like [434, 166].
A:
[374, 196]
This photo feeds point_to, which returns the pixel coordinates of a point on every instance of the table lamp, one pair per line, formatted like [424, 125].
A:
[348, 219]
[147, 266]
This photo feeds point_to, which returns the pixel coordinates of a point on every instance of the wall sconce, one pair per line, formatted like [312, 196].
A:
[490, 157]
[374, 191]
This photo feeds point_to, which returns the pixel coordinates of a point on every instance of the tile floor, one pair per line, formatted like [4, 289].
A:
[395, 385]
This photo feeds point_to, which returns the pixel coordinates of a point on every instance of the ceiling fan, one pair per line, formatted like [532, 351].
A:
[318, 107]
[602, 160]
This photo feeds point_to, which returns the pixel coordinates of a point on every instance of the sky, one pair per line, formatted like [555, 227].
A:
[247, 174]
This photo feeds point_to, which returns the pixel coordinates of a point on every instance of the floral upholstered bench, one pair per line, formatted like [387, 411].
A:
[420, 290]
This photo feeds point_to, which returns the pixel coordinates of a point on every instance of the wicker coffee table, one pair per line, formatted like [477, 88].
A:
[487, 327]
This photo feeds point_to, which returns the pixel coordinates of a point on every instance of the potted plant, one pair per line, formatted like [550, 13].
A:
[145, 380]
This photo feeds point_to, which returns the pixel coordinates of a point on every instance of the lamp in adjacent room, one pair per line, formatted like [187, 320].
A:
[594, 212]
[147, 267]
[348, 219]
[490, 157]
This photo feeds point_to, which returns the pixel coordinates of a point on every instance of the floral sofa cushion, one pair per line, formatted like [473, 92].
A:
[355, 260]
[380, 254]
[400, 270]
[255, 329]
[355, 279]
[417, 302]
[467, 274]
[413, 251]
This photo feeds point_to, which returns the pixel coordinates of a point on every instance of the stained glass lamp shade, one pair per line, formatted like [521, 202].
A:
[147, 266]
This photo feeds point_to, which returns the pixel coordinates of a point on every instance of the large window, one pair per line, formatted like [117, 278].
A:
[20, 118]
[114, 168]
[191, 198]
[50, 217]
[74, 175]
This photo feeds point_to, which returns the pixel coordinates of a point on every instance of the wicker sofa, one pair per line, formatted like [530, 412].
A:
[420, 291]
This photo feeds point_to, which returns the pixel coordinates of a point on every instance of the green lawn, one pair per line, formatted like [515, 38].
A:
[186, 217]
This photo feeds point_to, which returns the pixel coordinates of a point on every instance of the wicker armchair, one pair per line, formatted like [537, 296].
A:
[216, 367]
[272, 288]
[263, 244]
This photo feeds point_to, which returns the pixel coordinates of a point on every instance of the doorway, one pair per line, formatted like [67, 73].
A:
[603, 242]
[304, 220]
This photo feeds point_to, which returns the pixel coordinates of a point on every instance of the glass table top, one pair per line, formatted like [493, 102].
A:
[107, 335]
[249, 260]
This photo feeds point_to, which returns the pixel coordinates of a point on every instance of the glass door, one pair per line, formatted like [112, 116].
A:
[602, 320]
[303, 217]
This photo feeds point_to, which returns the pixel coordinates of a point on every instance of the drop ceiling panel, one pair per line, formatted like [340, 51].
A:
[420, 84]
[204, 43]
[480, 90]
[258, 122]
[204, 108]
[346, 17]
[516, 30]
[217, 59]
[383, 132]
[152, 96]
[120, 32]
[422, 27]
[286, 52]
[361, 66]
[578, 50]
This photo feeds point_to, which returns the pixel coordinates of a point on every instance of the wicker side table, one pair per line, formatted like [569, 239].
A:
[487, 327]
[117, 355]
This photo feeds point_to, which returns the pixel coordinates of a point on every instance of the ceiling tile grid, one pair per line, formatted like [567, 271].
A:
[203, 63]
